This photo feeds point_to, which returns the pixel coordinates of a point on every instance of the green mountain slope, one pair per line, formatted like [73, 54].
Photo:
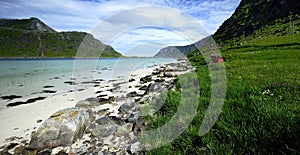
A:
[32, 38]
[252, 15]
[261, 111]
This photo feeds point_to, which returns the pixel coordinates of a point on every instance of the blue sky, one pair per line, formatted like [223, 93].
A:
[86, 15]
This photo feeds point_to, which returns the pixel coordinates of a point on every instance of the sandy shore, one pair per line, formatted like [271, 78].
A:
[18, 122]
[111, 112]
[21, 120]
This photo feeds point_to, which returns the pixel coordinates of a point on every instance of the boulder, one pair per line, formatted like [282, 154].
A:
[128, 107]
[92, 102]
[62, 129]
[106, 126]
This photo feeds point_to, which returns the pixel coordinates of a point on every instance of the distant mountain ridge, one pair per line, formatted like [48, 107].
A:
[181, 51]
[33, 38]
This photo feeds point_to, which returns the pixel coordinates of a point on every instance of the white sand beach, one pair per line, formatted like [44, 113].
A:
[19, 121]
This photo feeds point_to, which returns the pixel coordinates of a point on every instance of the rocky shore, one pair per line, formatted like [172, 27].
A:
[108, 123]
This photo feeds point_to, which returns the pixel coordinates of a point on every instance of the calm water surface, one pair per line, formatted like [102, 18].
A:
[28, 78]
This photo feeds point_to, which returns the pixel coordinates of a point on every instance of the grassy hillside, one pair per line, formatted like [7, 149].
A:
[33, 38]
[261, 112]
[252, 15]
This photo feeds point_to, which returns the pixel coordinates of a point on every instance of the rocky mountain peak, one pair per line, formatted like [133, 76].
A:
[32, 23]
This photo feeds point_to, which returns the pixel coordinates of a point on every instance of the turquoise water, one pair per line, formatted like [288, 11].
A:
[28, 78]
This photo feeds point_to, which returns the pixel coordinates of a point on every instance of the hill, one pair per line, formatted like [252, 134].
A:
[180, 51]
[33, 38]
[260, 114]
[250, 16]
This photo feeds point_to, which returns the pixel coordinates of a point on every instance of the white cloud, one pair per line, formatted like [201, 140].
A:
[84, 15]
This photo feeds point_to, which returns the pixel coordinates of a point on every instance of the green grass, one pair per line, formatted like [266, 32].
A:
[261, 113]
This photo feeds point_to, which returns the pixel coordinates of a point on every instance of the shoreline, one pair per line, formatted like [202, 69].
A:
[70, 58]
[20, 121]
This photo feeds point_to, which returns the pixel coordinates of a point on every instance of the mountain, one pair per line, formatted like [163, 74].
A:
[180, 51]
[252, 15]
[33, 38]
[32, 24]
[252, 19]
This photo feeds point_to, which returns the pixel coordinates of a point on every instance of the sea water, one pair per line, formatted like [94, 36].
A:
[34, 77]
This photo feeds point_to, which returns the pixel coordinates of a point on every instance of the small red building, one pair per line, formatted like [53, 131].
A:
[215, 58]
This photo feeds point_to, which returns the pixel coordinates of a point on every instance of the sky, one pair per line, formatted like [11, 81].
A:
[132, 27]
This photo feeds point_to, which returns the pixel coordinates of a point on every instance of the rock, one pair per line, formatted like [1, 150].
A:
[44, 152]
[57, 150]
[156, 72]
[62, 129]
[143, 87]
[132, 94]
[106, 100]
[169, 74]
[131, 80]
[107, 126]
[12, 145]
[127, 107]
[154, 87]
[29, 151]
[109, 120]
[145, 79]
[84, 104]
[62, 153]
[18, 150]
[133, 117]
[103, 120]
[159, 80]
[111, 149]
[123, 130]
[133, 148]
[102, 131]
[93, 102]
[169, 69]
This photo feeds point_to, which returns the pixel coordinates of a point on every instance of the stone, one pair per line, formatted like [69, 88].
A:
[4, 152]
[44, 152]
[84, 104]
[131, 80]
[169, 74]
[18, 150]
[102, 131]
[123, 130]
[132, 94]
[62, 129]
[29, 151]
[127, 107]
[57, 150]
[92, 102]
[145, 79]
[154, 87]
[133, 117]
[143, 87]
[159, 80]
[133, 148]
